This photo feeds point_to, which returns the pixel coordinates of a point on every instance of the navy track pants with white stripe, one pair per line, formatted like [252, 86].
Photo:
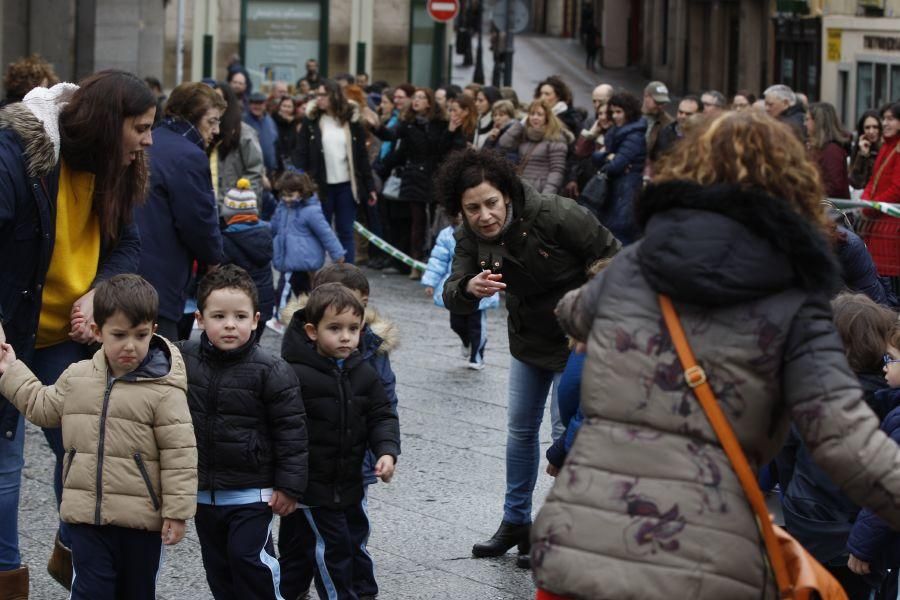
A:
[320, 541]
[238, 553]
[297, 568]
[110, 563]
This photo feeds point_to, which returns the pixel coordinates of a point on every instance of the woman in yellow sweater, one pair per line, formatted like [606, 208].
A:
[72, 170]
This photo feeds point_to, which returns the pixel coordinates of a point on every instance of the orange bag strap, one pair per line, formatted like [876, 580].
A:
[695, 377]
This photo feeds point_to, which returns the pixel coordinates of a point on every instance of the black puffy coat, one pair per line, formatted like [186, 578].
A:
[288, 137]
[423, 146]
[347, 411]
[248, 418]
[250, 248]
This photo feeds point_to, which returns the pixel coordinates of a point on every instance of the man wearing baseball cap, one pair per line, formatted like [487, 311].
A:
[656, 97]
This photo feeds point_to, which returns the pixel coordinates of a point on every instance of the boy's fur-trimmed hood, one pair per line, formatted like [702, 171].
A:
[385, 329]
[36, 121]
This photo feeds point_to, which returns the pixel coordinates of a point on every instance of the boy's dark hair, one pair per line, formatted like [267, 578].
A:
[224, 278]
[130, 294]
[346, 274]
[294, 181]
[864, 327]
[333, 295]
[629, 104]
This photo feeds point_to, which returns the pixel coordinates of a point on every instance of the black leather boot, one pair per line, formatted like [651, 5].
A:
[523, 561]
[507, 536]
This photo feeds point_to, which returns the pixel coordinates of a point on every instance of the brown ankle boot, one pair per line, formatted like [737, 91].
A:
[60, 564]
[14, 584]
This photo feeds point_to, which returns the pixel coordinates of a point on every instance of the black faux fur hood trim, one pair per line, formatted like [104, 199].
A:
[806, 248]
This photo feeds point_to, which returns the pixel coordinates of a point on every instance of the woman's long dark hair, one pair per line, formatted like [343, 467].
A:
[90, 131]
[860, 125]
[230, 127]
[340, 108]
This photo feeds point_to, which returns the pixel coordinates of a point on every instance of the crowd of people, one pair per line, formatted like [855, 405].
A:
[139, 217]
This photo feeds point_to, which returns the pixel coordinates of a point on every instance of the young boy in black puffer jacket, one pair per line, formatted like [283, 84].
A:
[347, 411]
[251, 438]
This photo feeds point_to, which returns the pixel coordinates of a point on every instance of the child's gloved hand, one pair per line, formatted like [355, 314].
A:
[384, 468]
[7, 357]
[282, 504]
[172, 531]
[552, 470]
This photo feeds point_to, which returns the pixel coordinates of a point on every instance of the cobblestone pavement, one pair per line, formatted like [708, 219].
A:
[447, 494]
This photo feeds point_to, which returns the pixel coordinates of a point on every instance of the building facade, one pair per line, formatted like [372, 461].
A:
[83, 36]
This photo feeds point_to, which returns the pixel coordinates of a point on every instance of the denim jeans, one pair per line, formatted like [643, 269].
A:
[528, 389]
[11, 463]
[339, 203]
[48, 364]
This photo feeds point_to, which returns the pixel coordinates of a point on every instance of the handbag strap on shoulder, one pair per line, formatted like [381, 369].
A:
[695, 377]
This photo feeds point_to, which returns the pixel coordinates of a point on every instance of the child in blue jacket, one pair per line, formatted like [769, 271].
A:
[472, 328]
[301, 236]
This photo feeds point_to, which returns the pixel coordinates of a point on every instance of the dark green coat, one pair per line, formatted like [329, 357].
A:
[543, 255]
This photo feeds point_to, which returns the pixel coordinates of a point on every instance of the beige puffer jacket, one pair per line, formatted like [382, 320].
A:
[131, 457]
[647, 506]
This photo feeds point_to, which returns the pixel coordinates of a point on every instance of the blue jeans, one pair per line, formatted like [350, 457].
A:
[340, 204]
[528, 389]
[11, 463]
[48, 364]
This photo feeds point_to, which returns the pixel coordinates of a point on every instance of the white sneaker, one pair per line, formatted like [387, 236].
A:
[276, 326]
[475, 366]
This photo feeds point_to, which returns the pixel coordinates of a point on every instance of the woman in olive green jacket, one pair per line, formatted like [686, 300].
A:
[536, 247]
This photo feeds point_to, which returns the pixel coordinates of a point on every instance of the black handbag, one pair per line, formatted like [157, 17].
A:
[594, 194]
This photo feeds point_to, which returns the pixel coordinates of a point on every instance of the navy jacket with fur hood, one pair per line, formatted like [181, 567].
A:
[29, 181]
[248, 418]
[347, 411]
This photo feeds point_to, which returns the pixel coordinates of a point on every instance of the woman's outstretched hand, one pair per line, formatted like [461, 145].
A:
[485, 285]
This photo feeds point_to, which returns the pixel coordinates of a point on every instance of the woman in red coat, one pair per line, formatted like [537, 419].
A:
[883, 236]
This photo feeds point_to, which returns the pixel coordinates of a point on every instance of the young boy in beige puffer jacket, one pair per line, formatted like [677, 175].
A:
[130, 476]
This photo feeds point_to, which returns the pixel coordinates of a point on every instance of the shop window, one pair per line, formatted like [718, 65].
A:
[865, 83]
[895, 83]
[843, 85]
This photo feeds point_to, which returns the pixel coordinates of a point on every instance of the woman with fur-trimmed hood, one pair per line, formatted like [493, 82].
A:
[72, 170]
[332, 150]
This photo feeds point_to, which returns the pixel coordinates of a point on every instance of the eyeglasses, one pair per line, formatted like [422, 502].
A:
[888, 360]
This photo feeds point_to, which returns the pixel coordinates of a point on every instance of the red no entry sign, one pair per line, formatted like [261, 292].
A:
[443, 10]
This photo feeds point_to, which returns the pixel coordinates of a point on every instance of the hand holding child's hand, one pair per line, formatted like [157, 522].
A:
[7, 357]
[384, 468]
[282, 504]
[552, 470]
[857, 566]
[172, 531]
[429, 291]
